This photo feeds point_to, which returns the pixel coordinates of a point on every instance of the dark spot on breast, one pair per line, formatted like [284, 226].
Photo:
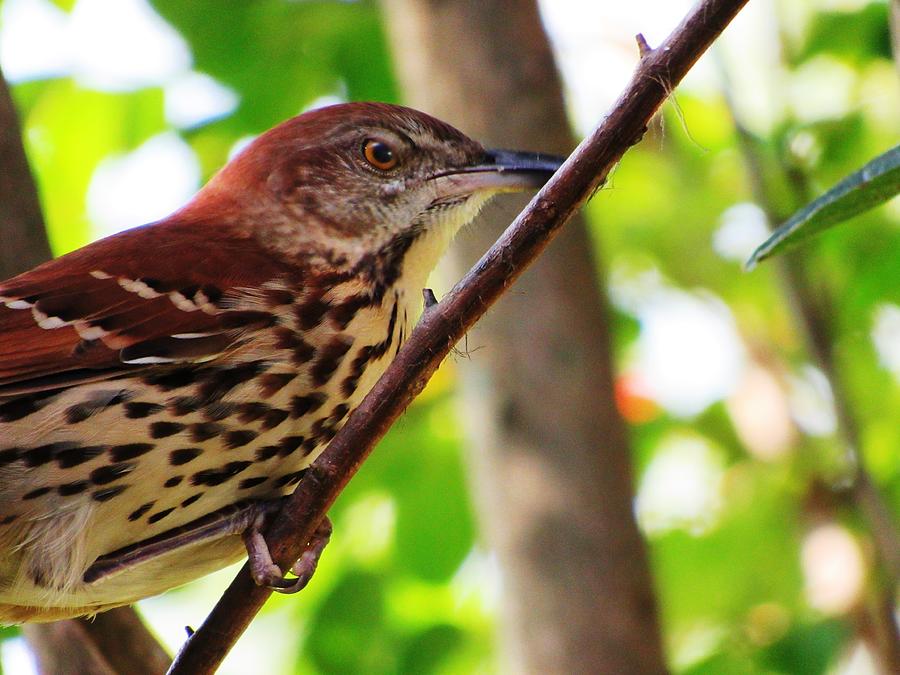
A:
[79, 454]
[273, 418]
[78, 413]
[164, 429]
[240, 438]
[343, 313]
[159, 515]
[98, 401]
[301, 405]
[120, 453]
[266, 452]
[173, 481]
[250, 412]
[19, 408]
[219, 381]
[290, 478]
[252, 482]
[111, 472]
[303, 353]
[141, 510]
[139, 409]
[339, 412]
[44, 453]
[311, 312]
[106, 494]
[9, 455]
[184, 455]
[358, 367]
[220, 475]
[271, 383]
[6, 520]
[203, 431]
[39, 492]
[219, 410]
[330, 358]
[73, 488]
[289, 444]
[349, 385]
[309, 445]
[172, 379]
[180, 406]
[285, 338]
[190, 500]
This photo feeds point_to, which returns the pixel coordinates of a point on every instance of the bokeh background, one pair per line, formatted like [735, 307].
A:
[742, 443]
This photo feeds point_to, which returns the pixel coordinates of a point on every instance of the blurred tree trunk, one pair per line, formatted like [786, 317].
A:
[117, 641]
[550, 452]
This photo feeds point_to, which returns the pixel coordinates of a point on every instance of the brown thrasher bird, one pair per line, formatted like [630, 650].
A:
[163, 388]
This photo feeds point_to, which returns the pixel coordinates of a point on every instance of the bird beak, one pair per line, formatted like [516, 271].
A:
[499, 171]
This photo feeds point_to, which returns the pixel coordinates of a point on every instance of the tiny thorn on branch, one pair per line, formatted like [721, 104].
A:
[430, 299]
[643, 46]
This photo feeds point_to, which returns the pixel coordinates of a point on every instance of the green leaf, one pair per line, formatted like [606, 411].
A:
[875, 183]
[280, 56]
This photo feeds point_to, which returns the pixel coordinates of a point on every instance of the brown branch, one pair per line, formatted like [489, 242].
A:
[117, 641]
[583, 508]
[442, 326]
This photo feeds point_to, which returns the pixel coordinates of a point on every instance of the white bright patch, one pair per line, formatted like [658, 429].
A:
[194, 98]
[744, 227]
[124, 44]
[595, 48]
[681, 487]
[115, 45]
[16, 657]
[812, 403]
[688, 351]
[834, 569]
[33, 40]
[143, 186]
[886, 336]
[761, 415]
[479, 580]
[822, 88]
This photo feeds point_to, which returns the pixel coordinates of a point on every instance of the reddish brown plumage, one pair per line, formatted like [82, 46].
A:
[85, 287]
[154, 379]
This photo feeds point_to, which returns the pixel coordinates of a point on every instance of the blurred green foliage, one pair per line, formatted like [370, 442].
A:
[404, 587]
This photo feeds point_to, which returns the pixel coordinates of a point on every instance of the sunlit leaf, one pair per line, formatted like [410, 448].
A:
[874, 184]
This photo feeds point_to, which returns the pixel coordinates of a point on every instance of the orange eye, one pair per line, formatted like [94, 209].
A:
[379, 154]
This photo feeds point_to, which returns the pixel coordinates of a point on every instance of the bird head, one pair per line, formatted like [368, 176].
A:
[355, 178]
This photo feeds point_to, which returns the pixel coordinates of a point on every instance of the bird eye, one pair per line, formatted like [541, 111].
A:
[379, 154]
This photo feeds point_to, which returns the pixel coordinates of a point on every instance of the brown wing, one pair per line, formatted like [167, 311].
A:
[162, 293]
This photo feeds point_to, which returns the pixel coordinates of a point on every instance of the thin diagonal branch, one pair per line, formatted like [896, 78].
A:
[583, 173]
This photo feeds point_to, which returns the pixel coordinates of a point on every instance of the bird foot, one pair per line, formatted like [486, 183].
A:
[266, 573]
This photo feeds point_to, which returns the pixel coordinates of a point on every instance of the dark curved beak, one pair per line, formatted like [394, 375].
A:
[501, 171]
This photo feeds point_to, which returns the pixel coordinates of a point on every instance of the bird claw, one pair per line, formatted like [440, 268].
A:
[266, 573]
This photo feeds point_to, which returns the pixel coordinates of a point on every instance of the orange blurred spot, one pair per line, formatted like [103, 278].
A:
[633, 400]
